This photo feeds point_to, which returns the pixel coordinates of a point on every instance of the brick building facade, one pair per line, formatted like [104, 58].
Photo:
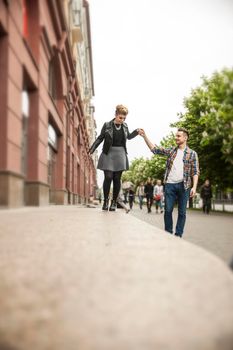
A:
[44, 137]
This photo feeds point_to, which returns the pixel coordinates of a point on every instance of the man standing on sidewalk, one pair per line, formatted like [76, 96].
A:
[181, 177]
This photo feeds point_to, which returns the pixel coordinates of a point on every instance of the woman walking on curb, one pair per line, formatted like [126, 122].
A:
[113, 159]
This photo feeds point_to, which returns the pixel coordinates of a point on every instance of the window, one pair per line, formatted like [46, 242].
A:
[31, 27]
[25, 104]
[52, 80]
[52, 137]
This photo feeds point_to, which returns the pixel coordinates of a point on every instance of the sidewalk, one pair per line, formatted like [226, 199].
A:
[74, 278]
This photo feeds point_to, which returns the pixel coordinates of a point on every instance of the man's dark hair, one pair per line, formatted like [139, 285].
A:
[185, 131]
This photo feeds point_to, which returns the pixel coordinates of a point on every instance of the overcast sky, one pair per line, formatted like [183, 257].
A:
[149, 54]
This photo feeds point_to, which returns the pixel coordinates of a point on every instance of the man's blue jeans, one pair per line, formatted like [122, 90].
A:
[175, 192]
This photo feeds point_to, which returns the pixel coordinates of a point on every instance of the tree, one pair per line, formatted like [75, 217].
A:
[209, 119]
[137, 172]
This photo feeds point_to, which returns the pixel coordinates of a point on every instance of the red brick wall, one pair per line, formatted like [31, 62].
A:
[24, 64]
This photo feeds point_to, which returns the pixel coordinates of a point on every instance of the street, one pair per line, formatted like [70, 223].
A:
[213, 232]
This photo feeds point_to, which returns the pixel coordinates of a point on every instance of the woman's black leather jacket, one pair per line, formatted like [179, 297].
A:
[107, 135]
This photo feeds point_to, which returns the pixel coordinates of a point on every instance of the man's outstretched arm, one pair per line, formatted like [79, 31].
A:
[154, 148]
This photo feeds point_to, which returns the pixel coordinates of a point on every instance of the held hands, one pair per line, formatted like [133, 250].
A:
[141, 132]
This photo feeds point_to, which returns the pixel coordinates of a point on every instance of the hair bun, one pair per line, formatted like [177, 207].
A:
[121, 109]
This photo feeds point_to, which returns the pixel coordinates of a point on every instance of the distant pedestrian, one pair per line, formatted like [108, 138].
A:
[100, 197]
[121, 203]
[206, 195]
[181, 177]
[126, 192]
[158, 196]
[113, 159]
[149, 193]
[131, 197]
[140, 193]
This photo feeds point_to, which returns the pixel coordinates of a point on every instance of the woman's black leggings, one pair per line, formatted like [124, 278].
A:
[110, 176]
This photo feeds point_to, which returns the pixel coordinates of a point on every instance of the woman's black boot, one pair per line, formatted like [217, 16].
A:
[113, 205]
[105, 204]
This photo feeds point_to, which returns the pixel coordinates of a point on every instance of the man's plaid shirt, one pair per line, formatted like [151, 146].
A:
[190, 160]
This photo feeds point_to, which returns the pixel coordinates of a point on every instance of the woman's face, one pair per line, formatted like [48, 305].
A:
[120, 118]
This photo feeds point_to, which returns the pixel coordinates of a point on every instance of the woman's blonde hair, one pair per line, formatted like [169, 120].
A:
[120, 109]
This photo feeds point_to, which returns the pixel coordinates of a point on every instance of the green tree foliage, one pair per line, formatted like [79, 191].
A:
[209, 119]
[168, 141]
[137, 172]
